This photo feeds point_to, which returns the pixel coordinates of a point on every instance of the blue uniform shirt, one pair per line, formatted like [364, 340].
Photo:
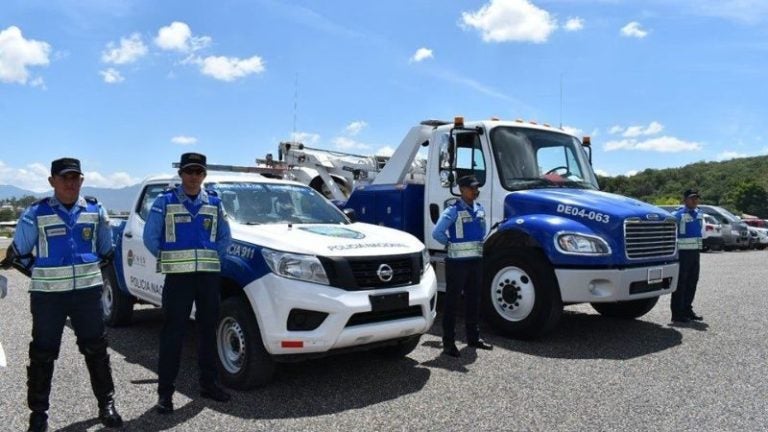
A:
[689, 226]
[464, 238]
[26, 235]
[153, 230]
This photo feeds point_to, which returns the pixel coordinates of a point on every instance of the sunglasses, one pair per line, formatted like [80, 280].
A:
[193, 171]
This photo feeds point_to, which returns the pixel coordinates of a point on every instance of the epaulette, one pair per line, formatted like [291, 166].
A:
[91, 199]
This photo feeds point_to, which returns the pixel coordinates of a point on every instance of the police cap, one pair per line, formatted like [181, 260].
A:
[691, 193]
[65, 165]
[468, 181]
[192, 159]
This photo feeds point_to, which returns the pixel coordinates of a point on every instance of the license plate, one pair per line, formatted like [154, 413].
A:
[387, 302]
[655, 275]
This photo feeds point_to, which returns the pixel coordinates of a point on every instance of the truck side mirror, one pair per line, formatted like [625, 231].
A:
[350, 214]
[586, 142]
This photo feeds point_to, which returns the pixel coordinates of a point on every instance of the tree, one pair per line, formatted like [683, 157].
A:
[7, 214]
[751, 198]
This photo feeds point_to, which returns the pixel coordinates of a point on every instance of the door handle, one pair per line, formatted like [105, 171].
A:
[128, 235]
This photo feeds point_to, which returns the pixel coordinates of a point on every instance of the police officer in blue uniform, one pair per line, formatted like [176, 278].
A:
[70, 236]
[689, 242]
[187, 232]
[462, 228]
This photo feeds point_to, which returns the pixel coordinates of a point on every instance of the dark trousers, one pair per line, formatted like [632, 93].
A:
[50, 311]
[49, 315]
[462, 275]
[682, 298]
[180, 292]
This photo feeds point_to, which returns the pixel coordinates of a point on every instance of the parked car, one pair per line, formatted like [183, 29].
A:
[711, 230]
[757, 223]
[758, 238]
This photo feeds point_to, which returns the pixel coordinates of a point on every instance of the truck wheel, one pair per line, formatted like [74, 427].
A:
[401, 349]
[626, 309]
[521, 297]
[243, 361]
[117, 306]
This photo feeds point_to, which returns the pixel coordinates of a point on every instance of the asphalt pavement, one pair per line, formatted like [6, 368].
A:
[592, 373]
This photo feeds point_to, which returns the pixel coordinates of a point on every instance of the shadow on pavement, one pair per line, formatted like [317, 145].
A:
[314, 387]
[585, 336]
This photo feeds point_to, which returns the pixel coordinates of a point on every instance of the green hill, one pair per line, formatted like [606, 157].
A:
[738, 184]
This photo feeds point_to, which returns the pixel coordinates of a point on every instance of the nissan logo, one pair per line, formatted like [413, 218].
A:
[385, 273]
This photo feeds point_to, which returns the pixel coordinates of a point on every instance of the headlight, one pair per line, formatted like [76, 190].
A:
[424, 260]
[295, 266]
[581, 244]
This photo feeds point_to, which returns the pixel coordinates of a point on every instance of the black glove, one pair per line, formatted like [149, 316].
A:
[22, 263]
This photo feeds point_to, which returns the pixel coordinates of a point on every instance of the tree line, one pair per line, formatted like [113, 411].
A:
[739, 185]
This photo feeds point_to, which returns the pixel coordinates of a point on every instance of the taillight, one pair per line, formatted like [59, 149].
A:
[709, 228]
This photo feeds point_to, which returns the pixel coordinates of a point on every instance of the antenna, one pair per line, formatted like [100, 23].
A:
[561, 100]
[295, 104]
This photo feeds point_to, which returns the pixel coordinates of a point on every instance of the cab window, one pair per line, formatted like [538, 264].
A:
[148, 196]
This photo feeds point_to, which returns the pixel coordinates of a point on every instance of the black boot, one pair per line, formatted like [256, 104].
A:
[39, 376]
[97, 360]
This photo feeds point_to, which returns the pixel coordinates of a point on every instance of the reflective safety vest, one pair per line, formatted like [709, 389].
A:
[67, 255]
[465, 236]
[189, 242]
[689, 225]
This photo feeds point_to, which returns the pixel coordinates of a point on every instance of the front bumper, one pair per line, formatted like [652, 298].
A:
[612, 285]
[273, 298]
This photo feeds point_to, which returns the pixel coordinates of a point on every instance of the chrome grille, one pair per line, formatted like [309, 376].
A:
[650, 239]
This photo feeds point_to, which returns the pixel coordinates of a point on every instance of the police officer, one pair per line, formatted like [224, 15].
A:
[187, 232]
[71, 235]
[462, 228]
[689, 225]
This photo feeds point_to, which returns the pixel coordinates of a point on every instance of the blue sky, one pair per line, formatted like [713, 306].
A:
[129, 85]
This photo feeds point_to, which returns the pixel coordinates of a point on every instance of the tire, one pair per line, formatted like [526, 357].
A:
[627, 309]
[117, 306]
[242, 360]
[401, 349]
[521, 297]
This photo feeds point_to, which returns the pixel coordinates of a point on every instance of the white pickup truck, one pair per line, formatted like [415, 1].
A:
[300, 279]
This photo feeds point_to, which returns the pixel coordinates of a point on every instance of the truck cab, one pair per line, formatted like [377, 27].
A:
[299, 280]
[553, 238]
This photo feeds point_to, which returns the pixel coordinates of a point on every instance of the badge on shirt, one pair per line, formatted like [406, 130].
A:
[207, 224]
[53, 232]
[87, 233]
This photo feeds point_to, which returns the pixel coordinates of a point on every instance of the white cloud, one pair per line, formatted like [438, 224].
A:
[574, 24]
[306, 138]
[111, 76]
[742, 11]
[664, 144]
[726, 155]
[603, 173]
[34, 177]
[511, 21]
[616, 129]
[230, 68]
[573, 131]
[421, 54]
[17, 54]
[630, 173]
[178, 37]
[355, 127]
[636, 131]
[385, 151]
[184, 140]
[130, 49]
[114, 180]
[344, 143]
[634, 29]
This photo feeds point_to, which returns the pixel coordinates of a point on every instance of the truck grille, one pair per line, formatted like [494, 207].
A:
[650, 239]
[352, 273]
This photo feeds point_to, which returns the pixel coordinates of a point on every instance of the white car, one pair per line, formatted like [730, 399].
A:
[711, 234]
[299, 279]
[759, 237]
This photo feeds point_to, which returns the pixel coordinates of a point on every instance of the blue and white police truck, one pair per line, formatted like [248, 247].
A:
[299, 280]
[553, 238]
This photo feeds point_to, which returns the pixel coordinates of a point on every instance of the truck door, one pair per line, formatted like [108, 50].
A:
[139, 264]
[471, 157]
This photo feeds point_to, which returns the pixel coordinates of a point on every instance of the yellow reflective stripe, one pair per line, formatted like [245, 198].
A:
[171, 210]
[48, 220]
[212, 211]
[177, 255]
[189, 260]
[66, 277]
[692, 243]
[465, 250]
[88, 217]
[42, 223]
[460, 215]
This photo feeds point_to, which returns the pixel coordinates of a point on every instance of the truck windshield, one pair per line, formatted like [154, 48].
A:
[532, 158]
[252, 203]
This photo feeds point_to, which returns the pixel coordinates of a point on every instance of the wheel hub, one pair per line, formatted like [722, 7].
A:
[513, 293]
[231, 343]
